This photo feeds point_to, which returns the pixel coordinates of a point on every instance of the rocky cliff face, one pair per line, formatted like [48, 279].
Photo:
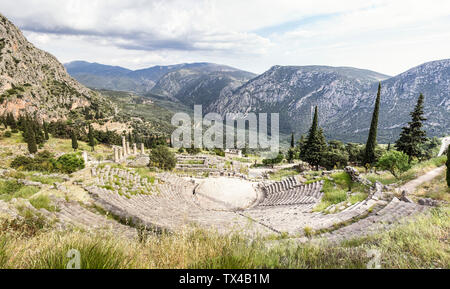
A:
[399, 96]
[33, 81]
[345, 97]
[200, 85]
[294, 91]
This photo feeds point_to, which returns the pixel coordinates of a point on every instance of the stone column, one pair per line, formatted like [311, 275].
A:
[85, 157]
[124, 145]
[116, 154]
[128, 149]
[142, 149]
[134, 149]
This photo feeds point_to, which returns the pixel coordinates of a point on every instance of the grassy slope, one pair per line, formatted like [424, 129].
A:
[419, 244]
[39, 198]
[15, 145]
[153, 111]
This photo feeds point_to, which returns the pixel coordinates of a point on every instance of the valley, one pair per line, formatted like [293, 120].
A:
[88, 166]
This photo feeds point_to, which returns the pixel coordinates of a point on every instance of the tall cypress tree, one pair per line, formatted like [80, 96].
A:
[45, 125]
[448, 166]
[369, 155]
[413, 135]
[39, 134]
[292, 141]
[74, 140]
[315, 144]
[31, 138]
[301, 146]
[4, 121]
[11, 121]
[91, 138]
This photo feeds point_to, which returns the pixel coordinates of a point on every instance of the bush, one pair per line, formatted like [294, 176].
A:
[395, 162]
[70, 163]
[334, 158]
[274, 161]
[45, 162]
[9, 187]
[42, 162]
[161, 157]
[22, 163]
[193, 151]
[7, 133]
[219, 152]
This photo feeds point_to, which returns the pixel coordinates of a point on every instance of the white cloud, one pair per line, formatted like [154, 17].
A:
[387, 36]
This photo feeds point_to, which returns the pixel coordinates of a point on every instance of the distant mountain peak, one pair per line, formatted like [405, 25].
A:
[145, 80]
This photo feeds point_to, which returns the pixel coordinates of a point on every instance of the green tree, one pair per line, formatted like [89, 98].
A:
[301, 144]
[161, 157]
[395, 162]
[290, 156]
[334, 158]
[292, 141]
[355, 152]
[11, 121]
[315, 144]
[45, 125]
[31, 139]
[369, 156]
[413, 136]
[91, 138]
[74, 140]
[38, 133]
[429, 149]
[335, 155]
[70, 163]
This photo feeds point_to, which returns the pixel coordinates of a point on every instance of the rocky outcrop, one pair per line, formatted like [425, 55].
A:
[140, 162]
[33, 81]
[354, 174]
[429, 202]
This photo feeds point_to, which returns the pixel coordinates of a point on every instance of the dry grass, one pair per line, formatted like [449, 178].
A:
[420, 244]
[436, 189]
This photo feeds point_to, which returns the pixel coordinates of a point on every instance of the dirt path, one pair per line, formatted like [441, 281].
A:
[411, 186]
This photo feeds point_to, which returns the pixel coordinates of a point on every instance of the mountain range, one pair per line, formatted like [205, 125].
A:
[189, 83]
[345, 95]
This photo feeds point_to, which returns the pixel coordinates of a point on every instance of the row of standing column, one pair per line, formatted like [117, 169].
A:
[120, 153]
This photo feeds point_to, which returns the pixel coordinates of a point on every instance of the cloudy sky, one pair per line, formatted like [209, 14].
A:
[388, 36]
